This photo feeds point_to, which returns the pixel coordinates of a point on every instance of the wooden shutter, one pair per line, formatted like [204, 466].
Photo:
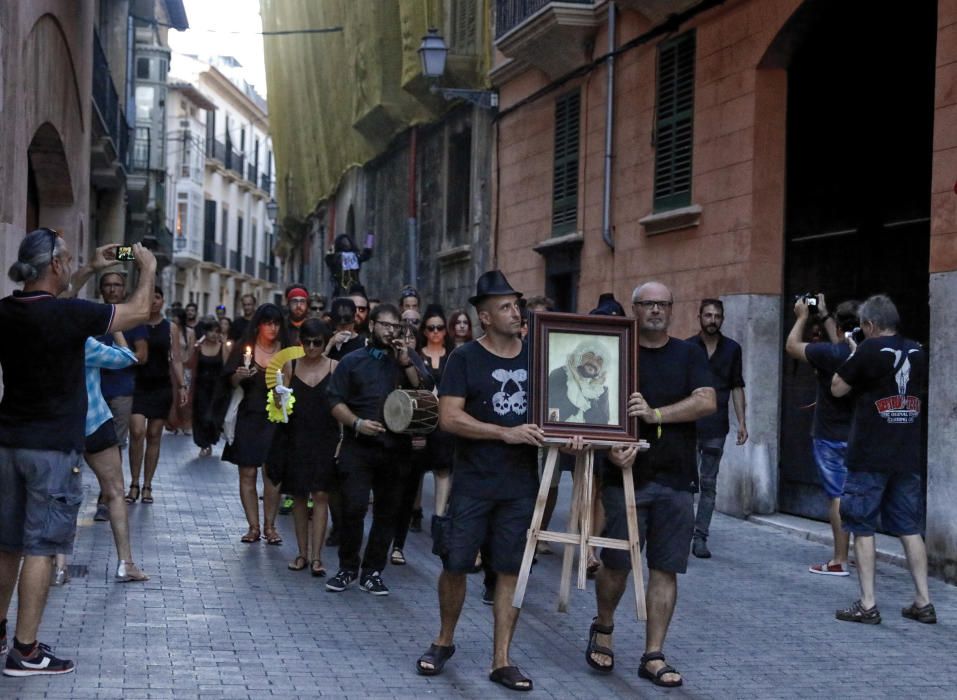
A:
[464, 26]
[674, 122]
[565, 176]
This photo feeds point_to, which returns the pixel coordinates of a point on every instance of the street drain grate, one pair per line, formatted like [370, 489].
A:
[77, 570]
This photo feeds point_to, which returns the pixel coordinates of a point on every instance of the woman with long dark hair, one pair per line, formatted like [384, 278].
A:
[460, 327]
[302, 461]
[246, 367]
[209, 358]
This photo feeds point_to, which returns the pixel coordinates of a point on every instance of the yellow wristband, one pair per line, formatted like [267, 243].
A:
[658, 416]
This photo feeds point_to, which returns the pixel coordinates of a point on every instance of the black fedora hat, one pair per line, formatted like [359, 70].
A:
[492, 284]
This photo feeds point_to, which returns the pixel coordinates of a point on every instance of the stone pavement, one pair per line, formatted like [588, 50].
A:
[222, 619]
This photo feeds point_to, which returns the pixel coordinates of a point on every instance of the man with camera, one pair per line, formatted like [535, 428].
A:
[888, 375]
[42, 426]
[371, 455]
[832, 415]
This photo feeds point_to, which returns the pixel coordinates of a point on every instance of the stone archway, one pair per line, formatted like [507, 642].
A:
[50, 195]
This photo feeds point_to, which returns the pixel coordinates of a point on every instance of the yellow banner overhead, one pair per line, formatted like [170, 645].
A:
[337, 99]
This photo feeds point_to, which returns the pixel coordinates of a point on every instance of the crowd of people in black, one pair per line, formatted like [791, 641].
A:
[300, 396]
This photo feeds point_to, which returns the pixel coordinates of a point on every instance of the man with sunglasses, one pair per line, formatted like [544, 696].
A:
[42, 426]
[675, 389]
[359, 297]
[371, 455]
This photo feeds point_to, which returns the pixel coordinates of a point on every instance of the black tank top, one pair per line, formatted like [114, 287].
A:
[155, 372]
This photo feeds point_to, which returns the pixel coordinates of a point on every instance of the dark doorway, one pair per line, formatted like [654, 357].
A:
[859, 145]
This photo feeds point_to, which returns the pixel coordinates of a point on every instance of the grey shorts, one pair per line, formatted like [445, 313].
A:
[122, 408]
[665, 526]
[40, 496]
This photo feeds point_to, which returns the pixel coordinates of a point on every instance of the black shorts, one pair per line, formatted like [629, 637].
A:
[103, 438]
[665, 524]
[501, 525]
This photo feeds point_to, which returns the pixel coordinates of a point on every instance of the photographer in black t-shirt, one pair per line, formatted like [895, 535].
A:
[888, 375]
[675, 389]
[42, 421]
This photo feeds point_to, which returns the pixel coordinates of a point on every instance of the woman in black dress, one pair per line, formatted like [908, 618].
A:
[302, 460]
[246, 367]
[207, 374]
[153, 397]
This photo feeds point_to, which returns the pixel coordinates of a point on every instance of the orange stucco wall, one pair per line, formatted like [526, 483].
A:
[738, 165]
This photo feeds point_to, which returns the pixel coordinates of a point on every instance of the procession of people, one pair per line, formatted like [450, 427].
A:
[300, 398]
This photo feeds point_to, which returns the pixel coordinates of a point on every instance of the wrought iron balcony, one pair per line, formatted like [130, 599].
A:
[511, 13]
[250, 267]
[115, 138]
[265, 183]
[235, 263]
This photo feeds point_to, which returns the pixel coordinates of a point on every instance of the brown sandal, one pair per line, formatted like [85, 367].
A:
[147, 495]
[133, 495]
[297, 564]
[252, 535]
[272, 536]
[318, 570]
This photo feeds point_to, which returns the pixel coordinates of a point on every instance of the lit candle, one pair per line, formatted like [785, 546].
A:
[248, 357]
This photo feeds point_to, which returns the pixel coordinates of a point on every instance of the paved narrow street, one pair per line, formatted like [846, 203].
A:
[222, 619]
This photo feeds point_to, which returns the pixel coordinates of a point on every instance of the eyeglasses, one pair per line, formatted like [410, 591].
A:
[391, 326]
[312, 342]
[434, 329]
[362, 308]
[650, 304]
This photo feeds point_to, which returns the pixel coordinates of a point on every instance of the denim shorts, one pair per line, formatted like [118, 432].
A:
[498, 527]
[831, 458]
[897, 498]
[665, 526]
[40, 496]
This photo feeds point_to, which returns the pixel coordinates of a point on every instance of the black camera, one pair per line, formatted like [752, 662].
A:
[857, 335]
[810, 300]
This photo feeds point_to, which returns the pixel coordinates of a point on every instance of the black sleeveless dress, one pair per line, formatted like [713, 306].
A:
[153, 395]
[209, 370]
[440, 445]
[254, 431]
[302, 457]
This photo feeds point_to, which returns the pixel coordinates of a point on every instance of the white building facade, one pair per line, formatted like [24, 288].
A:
[220, 179]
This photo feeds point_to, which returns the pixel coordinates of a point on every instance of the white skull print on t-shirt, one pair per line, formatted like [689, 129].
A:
[510, 398]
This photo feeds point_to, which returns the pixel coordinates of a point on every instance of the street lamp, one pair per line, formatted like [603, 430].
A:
[272, 211]
[432, 53]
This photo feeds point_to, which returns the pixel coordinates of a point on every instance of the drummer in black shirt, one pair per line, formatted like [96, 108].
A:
[371, 456]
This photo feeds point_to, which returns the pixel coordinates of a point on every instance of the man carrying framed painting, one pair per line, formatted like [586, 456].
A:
[674, 390]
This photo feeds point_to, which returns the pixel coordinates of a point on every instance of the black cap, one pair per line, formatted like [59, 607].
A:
[607, 306]
[492, 284]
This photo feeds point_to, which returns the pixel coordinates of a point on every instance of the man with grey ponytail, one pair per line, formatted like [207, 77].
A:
[42, 421]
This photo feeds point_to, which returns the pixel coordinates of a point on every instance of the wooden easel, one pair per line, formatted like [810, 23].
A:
[580, 524]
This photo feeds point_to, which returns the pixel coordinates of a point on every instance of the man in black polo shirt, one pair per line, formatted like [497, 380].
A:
[674, 390]
[42, 420]
[370, 454]
[724, 358]
[484, 403]
[238, 327]
[888, 374]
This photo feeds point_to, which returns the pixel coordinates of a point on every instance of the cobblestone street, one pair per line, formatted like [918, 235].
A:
[222, 619]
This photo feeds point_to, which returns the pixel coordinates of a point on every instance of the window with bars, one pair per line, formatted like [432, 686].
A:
[565, 174]
[674, 123]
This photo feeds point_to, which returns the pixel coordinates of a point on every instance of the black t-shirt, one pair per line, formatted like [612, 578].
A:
[725, 364]
[238, 328]
[495, 391]
[832, 415]
[667, 375]
[363, 380]
[41, 353]
[888, 375]
[347, 347]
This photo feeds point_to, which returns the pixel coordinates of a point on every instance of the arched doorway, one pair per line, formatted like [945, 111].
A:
[860, 95]
[49, 187]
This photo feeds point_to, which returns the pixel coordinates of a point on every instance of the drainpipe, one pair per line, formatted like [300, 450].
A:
[609, 128]
[411, 223]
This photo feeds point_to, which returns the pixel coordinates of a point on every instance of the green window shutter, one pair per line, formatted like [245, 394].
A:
[565, 175]
[674, 123]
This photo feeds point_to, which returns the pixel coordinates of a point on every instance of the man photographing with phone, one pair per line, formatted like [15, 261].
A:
[42, 421]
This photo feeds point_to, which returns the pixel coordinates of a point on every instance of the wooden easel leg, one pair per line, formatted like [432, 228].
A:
[634, 550]
[584, 512]
[574, 520]
[550, 463]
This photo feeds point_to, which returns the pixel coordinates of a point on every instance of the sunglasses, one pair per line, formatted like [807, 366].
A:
[362, 308]
[316, 309]
[434, 329]
[313, 342]
[391, 326]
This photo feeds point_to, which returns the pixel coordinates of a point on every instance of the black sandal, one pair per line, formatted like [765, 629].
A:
[317, 569]
[437, 655]
[297, 564]
[595, 648]
[655, 676]
[511, 678]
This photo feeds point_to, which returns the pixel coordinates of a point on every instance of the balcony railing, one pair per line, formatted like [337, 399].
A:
[263, 272]
[273, 274]
[141, 149]
[107, 102]
[235, 261]
[511, 13]
[217, 150]
[265, 183]
[235, 162]
[252, 173]
[250, 268]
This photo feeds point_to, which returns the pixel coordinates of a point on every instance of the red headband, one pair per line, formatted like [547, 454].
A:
[297, 293]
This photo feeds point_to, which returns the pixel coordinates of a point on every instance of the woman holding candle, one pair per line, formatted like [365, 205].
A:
[246, 367]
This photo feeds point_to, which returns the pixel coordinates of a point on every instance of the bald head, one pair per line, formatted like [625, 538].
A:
[652, 290]
[652, 303]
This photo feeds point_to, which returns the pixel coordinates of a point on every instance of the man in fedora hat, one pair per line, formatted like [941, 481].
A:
[483, 402]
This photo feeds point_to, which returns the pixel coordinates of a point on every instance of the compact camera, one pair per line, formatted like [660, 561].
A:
[857, 335]
[810, 300]
[124, 253]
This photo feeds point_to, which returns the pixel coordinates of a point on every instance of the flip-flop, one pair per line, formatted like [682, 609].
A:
[437, 655]
[510, 677]
[318, 570]
[297, 564]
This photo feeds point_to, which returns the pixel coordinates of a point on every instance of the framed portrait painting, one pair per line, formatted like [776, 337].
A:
[584, 368]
